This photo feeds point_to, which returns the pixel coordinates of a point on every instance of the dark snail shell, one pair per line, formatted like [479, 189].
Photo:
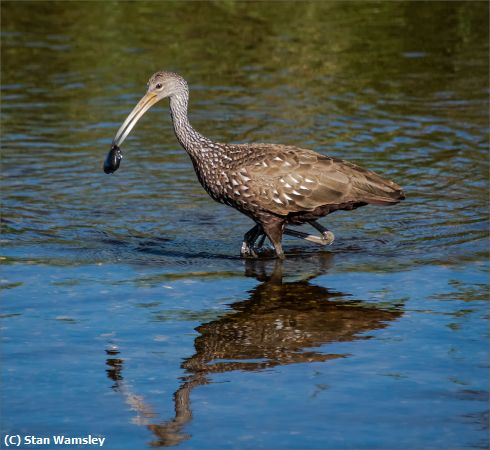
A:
[113, 159]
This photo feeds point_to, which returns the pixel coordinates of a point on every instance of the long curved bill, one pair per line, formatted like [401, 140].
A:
[143, 105]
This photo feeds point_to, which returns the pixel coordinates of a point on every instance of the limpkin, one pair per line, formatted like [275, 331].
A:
[275, 185]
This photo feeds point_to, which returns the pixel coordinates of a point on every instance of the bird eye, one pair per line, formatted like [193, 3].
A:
[159, 86]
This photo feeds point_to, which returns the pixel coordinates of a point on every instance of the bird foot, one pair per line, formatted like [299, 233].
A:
[247, 252]
[326, 238]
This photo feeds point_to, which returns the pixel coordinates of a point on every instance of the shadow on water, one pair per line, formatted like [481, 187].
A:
[282, 322]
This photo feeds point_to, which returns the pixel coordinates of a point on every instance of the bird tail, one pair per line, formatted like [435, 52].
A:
[379, 191]
[386, 201]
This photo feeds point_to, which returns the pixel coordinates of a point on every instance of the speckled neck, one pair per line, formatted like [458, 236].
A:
[193, 142]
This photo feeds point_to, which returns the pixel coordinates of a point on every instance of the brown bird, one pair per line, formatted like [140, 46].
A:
[275, 185]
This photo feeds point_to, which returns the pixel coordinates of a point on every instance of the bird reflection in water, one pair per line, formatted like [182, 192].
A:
[280, 323]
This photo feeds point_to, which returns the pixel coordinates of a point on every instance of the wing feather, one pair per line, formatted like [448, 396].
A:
[290, 179]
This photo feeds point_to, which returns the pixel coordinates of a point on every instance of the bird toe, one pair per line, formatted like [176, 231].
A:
[328, 237]
[247, 252]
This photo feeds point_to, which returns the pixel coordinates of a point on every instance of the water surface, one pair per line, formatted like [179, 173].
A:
[126, 310]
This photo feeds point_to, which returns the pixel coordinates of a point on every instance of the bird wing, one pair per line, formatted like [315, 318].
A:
[290, 179]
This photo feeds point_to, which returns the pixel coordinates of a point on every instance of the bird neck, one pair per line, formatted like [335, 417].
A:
[192, 141]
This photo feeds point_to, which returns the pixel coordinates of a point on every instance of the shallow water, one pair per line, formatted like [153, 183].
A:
[126, 310]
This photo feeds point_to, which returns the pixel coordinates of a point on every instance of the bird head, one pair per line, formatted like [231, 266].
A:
[161, 85]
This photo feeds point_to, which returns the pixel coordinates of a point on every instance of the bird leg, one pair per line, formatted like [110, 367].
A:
[249, 239]
[261, 240]
[274, 230]
[326, 238]
[327, 235]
